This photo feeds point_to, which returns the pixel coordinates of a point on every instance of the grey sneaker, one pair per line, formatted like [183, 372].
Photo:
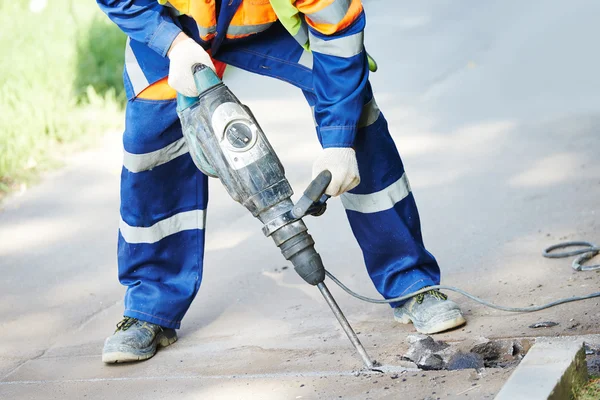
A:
[430, 312]
[136, 340]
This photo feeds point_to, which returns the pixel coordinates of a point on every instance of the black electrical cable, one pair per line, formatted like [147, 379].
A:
[589, 251]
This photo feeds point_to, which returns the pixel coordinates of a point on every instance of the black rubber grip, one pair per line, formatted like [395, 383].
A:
[317, 187]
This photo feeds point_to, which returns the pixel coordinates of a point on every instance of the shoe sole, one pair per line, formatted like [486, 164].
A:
[447, 322]
[114, 357]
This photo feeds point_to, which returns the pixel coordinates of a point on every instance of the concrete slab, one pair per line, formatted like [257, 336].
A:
[9, 364]
[274, 386]
[496, 111]
[551, 370]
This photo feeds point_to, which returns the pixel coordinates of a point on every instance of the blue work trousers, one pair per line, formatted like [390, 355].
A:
[164, 197]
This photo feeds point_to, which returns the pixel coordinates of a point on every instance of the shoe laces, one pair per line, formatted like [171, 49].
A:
[126, 323]
[437, 294]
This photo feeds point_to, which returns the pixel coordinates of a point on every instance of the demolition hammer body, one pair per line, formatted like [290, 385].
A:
[225, 141]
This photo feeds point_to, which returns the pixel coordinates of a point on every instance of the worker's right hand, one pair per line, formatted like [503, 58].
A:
[341, 162]
[184, 54]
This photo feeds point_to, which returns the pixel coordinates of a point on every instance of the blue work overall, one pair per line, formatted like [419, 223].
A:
[164, 197]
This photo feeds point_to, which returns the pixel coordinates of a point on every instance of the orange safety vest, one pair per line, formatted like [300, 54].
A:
[252, 16]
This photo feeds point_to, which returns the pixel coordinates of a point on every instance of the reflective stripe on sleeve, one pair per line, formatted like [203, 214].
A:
[239, 30]
[333, 14]
[369, 115]
[306, 59]
[205, 32]
[382, 200]
[183, 221]
[302, 35]
[340, 47]
[134, 71]
[146, 161]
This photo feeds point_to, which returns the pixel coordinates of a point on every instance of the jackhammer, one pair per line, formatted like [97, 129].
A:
[226, 142]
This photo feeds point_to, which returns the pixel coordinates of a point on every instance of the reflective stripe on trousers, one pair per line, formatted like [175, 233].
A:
[163, 198]
[348, 46]
[163, 211]
[134, 71]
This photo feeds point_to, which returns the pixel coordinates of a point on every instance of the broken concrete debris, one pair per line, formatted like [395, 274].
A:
[426, 352]
[431, 362]
[589, 350]
[501, 353]
[544, 324]
[460, 360]
[592, 356]
[429, 354]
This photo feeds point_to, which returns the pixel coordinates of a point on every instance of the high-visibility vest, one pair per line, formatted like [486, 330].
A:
[326, 16]
[254, 16]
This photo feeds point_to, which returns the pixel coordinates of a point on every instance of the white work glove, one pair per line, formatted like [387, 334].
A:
[184, 55]
[341, 162]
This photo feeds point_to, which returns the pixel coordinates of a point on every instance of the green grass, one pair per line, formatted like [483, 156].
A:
[60, 83]
[591, 391]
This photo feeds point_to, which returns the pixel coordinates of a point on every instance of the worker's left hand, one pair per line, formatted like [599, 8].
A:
[341, 162]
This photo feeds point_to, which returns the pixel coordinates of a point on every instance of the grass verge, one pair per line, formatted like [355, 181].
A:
[591, 391]
[60, 83]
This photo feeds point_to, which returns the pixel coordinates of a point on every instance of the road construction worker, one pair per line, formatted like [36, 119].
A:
[315, 45]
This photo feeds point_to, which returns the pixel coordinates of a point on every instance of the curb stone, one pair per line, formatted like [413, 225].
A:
[551, 370]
